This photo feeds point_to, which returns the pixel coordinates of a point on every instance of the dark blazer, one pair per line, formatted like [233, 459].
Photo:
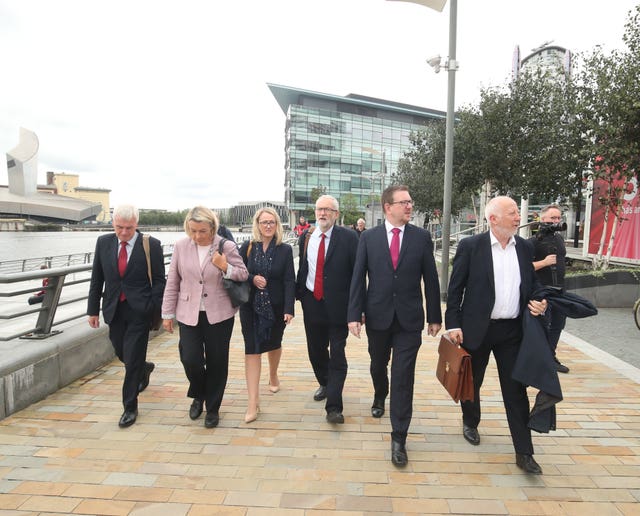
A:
[107, 284]
[338, 266]
[281, 285]
[471, 294]
[389, 291]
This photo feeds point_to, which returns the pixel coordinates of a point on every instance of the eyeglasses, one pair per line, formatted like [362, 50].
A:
[267, 222]
[404, 203]
[326, 210]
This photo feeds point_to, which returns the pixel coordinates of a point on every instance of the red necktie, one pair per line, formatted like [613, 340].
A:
[122, 264]
[318, 291]
[394, 248]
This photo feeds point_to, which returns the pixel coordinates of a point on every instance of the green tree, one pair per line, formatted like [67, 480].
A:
[610, 98]
[349, 209]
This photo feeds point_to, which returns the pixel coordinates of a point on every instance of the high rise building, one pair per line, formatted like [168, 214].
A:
[343, 145]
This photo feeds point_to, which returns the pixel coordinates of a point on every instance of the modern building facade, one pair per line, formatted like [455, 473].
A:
[343, 145]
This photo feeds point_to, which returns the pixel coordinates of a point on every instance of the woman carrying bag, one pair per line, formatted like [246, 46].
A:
[195, 296]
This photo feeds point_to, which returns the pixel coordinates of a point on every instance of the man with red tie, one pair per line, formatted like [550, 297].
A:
[395, 257]
[120, 278]
[327, 255]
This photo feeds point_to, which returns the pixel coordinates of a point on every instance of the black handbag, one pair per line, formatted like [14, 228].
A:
[238, 291]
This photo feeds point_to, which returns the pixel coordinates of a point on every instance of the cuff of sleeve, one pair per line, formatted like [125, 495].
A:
[168, 316]
[227, 275]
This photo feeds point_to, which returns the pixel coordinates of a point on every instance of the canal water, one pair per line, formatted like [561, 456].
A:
[17, 245]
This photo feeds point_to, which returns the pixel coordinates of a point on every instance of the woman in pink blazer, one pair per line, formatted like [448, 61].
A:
[195, 296]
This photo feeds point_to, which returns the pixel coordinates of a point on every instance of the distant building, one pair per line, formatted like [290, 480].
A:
[68, 185]
[344, 145]
[23, 199]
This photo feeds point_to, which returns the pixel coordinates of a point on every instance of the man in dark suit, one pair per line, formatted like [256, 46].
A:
[120, 278]
[491, 286]
[396, 256]
[327, 255]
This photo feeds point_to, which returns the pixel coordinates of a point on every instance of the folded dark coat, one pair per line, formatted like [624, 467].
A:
[535, 365]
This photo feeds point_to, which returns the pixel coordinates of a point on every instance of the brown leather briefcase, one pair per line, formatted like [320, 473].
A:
[454, 370]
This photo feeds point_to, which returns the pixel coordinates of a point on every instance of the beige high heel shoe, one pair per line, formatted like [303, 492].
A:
[250, 417]
[274, 388]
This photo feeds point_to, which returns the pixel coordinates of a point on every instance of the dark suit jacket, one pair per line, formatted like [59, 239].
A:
[281, 285]
[107, 284]
[471, 294]
[398, 291]
[338, 267]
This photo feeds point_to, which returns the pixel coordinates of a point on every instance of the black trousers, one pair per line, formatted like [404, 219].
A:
[129, 335]
[503, 338]
[405, 346]
[326, 344]
[204, 353]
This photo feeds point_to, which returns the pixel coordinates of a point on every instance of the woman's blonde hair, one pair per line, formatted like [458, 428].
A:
[201, 214]
[257, 236]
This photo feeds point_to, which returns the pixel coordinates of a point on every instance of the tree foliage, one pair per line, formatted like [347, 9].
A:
[349, 212]
[610, 105]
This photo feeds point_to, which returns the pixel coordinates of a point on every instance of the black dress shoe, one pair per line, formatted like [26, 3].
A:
[528, 464]
[320, 394]
[561, 368]
[377, 409]
[146, 373]
[398, 454]
[128, 418]
[211, 420]
[335, 417]
[196, 409]
[471, 434]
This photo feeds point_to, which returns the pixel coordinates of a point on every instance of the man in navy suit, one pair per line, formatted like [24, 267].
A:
[491, 286]
[396, 256]
[327, 255]
[120, 278]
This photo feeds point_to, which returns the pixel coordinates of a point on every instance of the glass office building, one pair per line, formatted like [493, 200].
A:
[345, 145]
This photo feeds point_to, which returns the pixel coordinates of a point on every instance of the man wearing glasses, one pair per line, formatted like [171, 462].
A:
[327, 256]
[396, 256]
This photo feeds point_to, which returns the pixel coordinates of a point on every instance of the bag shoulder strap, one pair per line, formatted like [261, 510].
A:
[147, 254]
[306, 238]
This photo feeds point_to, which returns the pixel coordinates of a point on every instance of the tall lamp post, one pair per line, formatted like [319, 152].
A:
[451, 66]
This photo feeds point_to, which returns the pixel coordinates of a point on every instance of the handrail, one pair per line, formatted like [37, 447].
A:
[72, 278]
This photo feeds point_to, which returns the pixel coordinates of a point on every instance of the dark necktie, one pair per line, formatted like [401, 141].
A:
[318, 291]
[394, 248]
[122, 264]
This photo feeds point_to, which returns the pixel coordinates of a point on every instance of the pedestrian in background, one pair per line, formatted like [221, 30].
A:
[549, 253]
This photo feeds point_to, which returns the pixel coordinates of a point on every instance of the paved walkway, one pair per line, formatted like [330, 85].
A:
[67, 455]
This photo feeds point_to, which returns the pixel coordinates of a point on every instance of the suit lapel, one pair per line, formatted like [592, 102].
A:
[488, 259]
[406, 238]
[334, 242]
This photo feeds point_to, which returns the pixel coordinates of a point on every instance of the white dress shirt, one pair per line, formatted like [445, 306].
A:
[506, 279]
[312, 254]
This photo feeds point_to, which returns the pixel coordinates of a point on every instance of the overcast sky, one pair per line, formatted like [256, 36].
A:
[166, 103]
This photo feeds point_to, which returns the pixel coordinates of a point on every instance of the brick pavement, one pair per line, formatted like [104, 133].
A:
[67, 455]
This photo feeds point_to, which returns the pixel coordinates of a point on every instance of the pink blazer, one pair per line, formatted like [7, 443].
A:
[188, 283]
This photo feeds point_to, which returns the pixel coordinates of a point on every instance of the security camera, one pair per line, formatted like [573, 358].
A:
[434, 62]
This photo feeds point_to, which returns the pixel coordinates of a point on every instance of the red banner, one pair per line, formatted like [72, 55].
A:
[627, 239]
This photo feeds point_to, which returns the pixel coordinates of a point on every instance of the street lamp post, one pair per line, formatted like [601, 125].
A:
[451, 66]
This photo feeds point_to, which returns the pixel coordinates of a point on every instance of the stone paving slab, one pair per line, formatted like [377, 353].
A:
[66, 454]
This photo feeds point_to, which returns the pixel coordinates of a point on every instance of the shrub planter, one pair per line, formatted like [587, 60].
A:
[608, 289]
